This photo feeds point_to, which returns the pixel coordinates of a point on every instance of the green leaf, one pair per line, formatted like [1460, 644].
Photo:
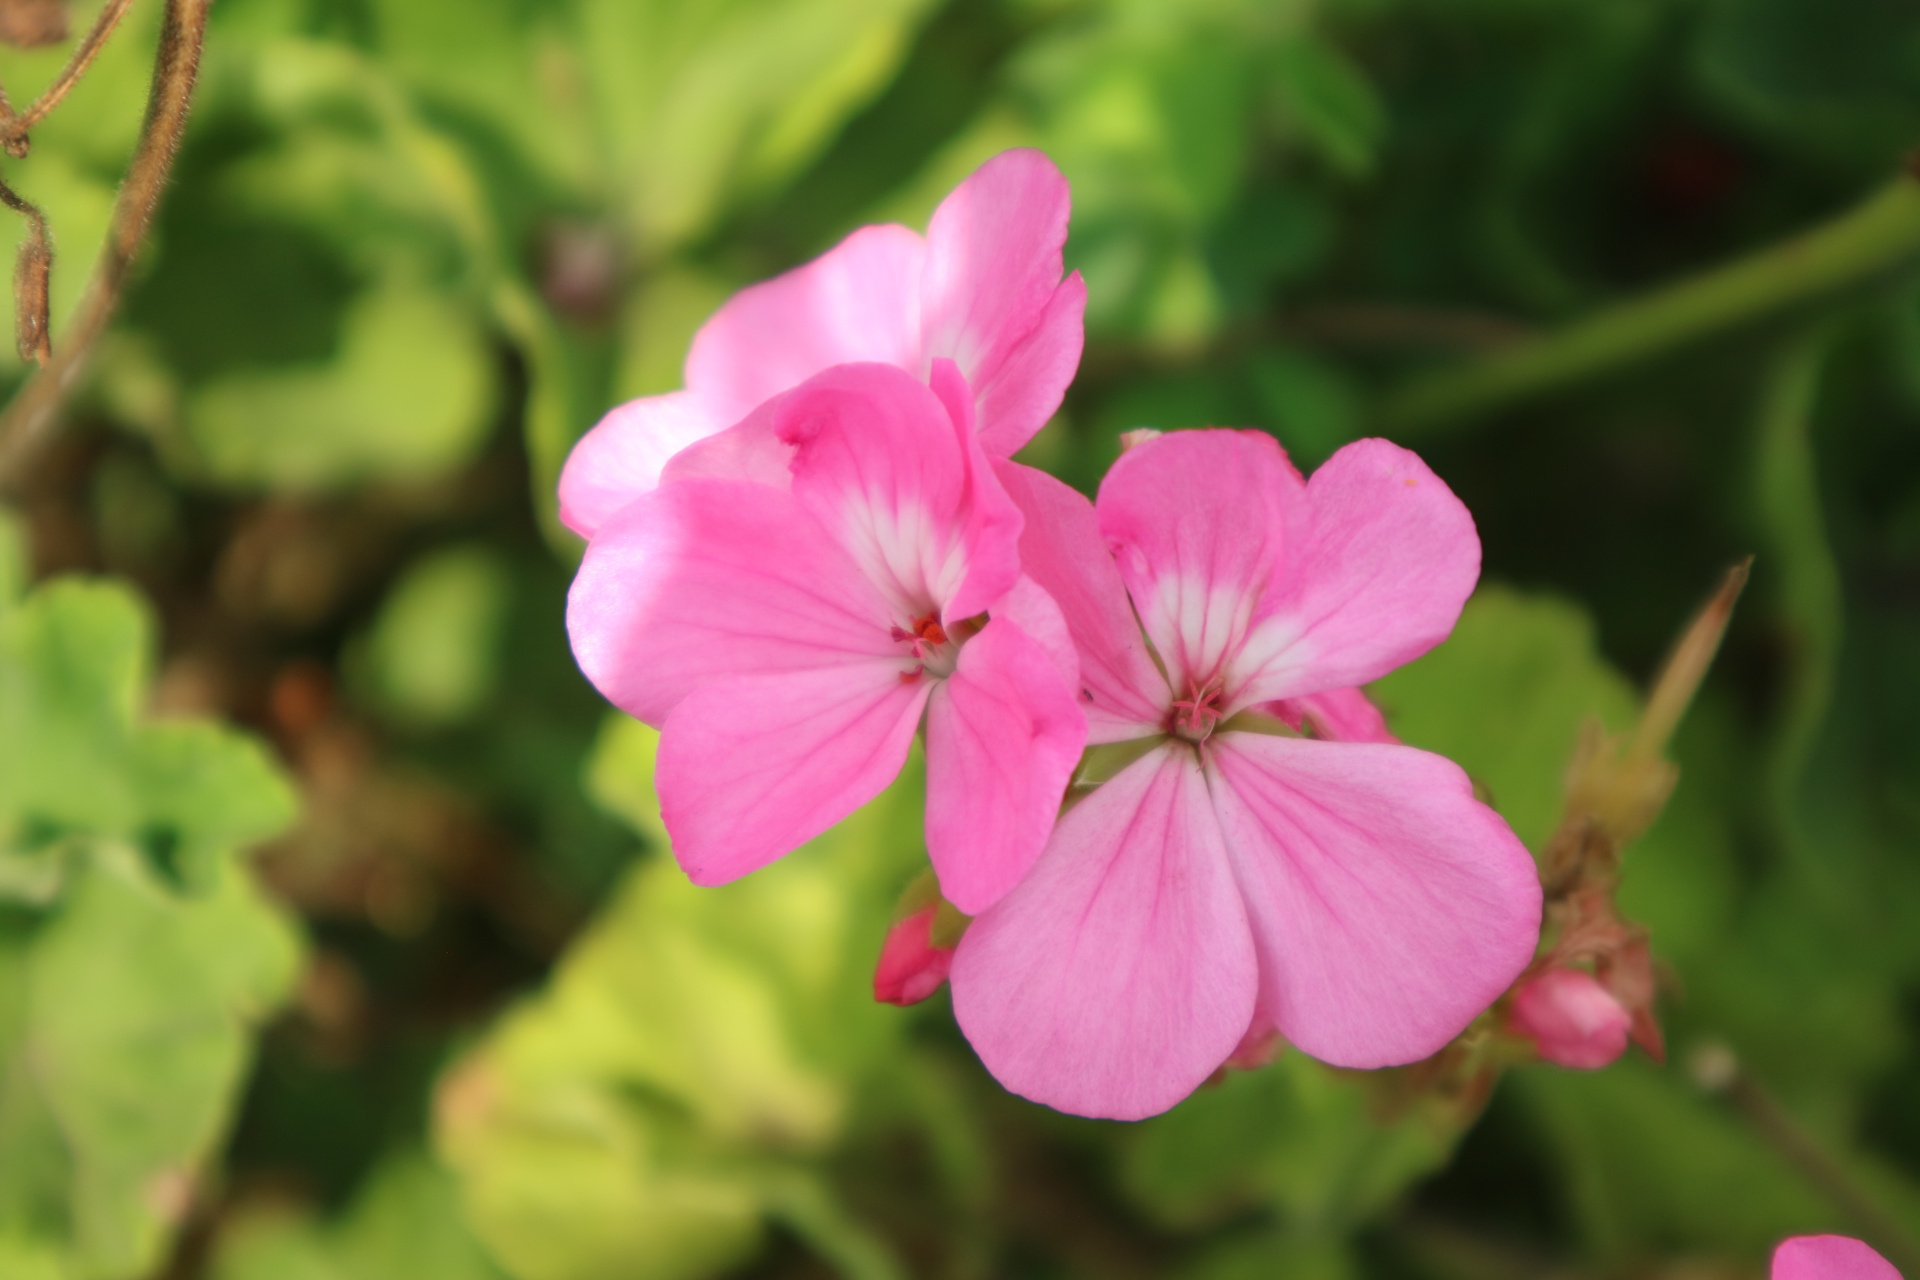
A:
[1505, 697]
[76, 761]
[15, 567]
[141, 1006]
[702, 105]
[1649, 1160]
[404, 1224]
[432, 657]
[642, 1117]
[620, 775]
[1332, 104]
[409, 394]
[1296, 1137]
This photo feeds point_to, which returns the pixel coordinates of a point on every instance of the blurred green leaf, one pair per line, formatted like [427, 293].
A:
[410, 393]
[1505, 697]
[1330, 102]
[702, 105]
[14, 566]
[642, 1117]
[1296, 1137]
[1648, 1160]
[620, 775]
[432, 657]
[76, 760]
[404, 1224]
[140, 1011]
[1311, 405]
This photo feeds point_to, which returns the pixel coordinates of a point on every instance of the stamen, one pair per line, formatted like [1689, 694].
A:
[1195, 716]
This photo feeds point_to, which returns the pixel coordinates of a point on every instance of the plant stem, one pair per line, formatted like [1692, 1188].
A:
[1875, 237]
[1781, 1131]
[175, 68]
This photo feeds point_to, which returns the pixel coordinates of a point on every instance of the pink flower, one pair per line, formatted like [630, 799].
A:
[1829, 1258]
[982, 289]
[792, 600]
[1352, 896]
[1573, 1020]
[912, 965]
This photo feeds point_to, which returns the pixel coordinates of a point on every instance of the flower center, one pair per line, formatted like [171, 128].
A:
[933, 649]
[1195, 716]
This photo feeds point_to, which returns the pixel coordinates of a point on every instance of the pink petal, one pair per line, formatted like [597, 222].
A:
[879, 461]
[1572, 1019]
[858, 301]
[993, 298]
[754, 767]
[1388, 905]
[707, 579]
[1392, 557]
[1829, 1258]
[1004, 734]
[1342, 715]
[911, 967]
[1028, 607]
[1124, 695]
[1120, 973]
[622, 456]
[1200, 523]
[1026, 391]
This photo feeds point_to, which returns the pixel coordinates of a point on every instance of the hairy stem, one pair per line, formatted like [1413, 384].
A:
[1875, 237]
[176, 66]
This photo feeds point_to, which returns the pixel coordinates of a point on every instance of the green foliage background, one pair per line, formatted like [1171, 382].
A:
[338, 934]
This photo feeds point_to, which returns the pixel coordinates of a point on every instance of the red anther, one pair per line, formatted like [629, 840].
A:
[931, 631]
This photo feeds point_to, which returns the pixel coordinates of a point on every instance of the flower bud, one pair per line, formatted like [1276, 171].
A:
[911, 967]
[1573, 1020]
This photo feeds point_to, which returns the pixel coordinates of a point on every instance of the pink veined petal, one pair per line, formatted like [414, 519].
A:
[859, 301]
[1004, 734]
[1829, 1258]
[1389, 907]
[753, 768]
[706, 579]
[993, 521]
[1391, 559]
[1120, 973]
[1342, 715]
[993, 262]
[878, 461]
[1200, 523]
[1123, 693]
[1017, 400]
[1030, 608]
[622, 456]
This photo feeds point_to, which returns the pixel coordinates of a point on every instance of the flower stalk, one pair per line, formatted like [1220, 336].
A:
[1878, 236]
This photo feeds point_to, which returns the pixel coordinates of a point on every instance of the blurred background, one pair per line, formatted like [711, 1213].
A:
[338, 935]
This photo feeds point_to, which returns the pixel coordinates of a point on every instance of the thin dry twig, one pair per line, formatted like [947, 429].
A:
[32, 276]
[13, 128]
[176, 66]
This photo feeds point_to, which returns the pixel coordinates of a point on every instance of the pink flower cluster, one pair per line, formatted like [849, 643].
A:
[821, 547]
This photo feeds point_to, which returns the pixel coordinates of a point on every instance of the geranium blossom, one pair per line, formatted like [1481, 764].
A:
[983, 289]
[1352, 896]
[1829, 1258]
[792, 600]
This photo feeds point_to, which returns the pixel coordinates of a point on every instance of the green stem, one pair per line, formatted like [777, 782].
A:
[1877, 236]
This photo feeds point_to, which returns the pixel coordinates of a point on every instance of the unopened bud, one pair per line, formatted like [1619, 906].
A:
[1574, 1020]
[920, 944]
[1135, 438]
[911, 968]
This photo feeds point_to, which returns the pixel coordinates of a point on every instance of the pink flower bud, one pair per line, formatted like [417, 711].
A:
[1572, 1018]
[911, 967]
